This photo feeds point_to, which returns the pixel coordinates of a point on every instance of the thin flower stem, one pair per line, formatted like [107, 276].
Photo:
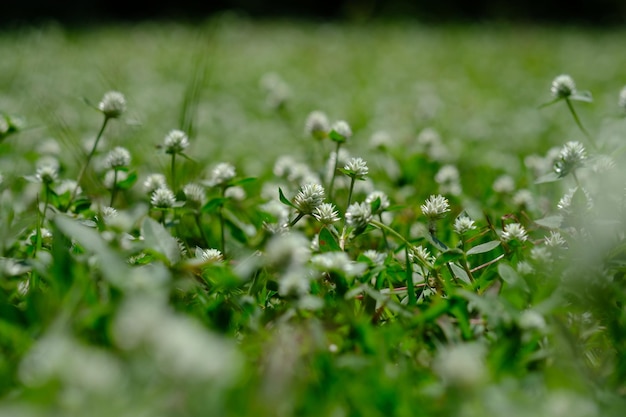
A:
[296, 220]
[332, 178]
[383, 226]
[380, 218]
[580, 125]
[173, 171]
[409, 278]
[352, 181]
[201, 229]
[222, 225]
[89, 156]
[114, 189]
[46, 203]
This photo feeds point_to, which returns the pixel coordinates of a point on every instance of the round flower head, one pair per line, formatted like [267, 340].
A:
[463, 224]
[340, 131]
[622, 99]
[221, 174]
[309, 198]
[382, 197]
[358, 215]
[209, 255]
[435, 207]
[356, 168]
[571, 157]
[514, 231]
[163, 198]
[194, 193]
[113, 104]
[325, 213]
[47, 174]
[555, 240]
[118, 158]
[154, 182]
[423, 255]
[317, 125]
[563, 86]
[176, 142]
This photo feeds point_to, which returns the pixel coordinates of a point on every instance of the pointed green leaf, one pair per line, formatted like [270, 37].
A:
[460, 273]
[551, 222]
[284, 199]
[128, 182]
[511, 277]
[157, 238]
[327, 241]
[484, 247]
[213, 204]
[450, 255]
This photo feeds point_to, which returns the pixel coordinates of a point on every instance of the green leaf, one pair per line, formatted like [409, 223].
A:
[336, 137]
[128, 182]
[551, 222]
[549, 177]
[243, 181]
[484, 247]
[157, 238]
[460, 273]
[549, 103]
[511, 277]
[213, 204]
[450, 255]
[284, 199]
[582, 96]
[375, 205]
[328, 242]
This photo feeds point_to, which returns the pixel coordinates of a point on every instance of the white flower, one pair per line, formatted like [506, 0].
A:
[381, 140]
[514, 231]
[154, 182]
[358, 215]
[109, 213]
[563, 86]
[376, 257]
[236, 193]
[435, 207]
[162, 198]
[68, 186]
[326, 213]
[571, 156]
[118, 157]
[422, 254]
[356, 168]
[337, 262]
[555, 240]
[524, 198]
[221, 174]
[295, 282]
[47, 174]
[309, 198]
[447, 174]
[176, 141]
[541, 255]
[504, 184]
[463, 224]
[342, 128]
[209, 255]
[622, 99]
[317, 124]
[382, 197]
[113, 104]
[194, 193]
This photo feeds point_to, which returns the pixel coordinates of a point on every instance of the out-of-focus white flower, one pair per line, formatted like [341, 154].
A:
[356, 168]
[317, 124]
[113, 104]
[118, 157]
[382, 197]
[47, 174]
[621, 102]
[221, 174]
[154, 182]
[461, 365]
[572, 156]
[176, 141]
[514, 231]
[326, 213]
[209, 255]
[463, 224]
[341, 128]
[563, 86]
[504, 184]
[555, 240]
[358, 215]
[163, 198]
[435, 207]
[195, 193]
[309, 198]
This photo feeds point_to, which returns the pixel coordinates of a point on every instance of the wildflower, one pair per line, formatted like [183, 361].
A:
[524, 198]
[295, 282]
[176, 141]
[340, 131]
[571, 157]
[317, 125]
[504, 184]
[356, 168]
[565, 203]
[119, 157]
[113, 104]
[325, 213]
[236, 193]
[525, 268]
[622, 99]
[381, 197]
[541, 255]
[463, 224]
[375, 257]
[563, 86]
[209, 255]
[423, 255]
[381, 140]
[435, 207]
[163, 198]
[532, 320]
[358, 215]
[514, 231]
[221, 174]
[309, 198]
[47, 174]
[68, 186]
[555, 240]
[194, 193]
[337, 262]
[154, 182]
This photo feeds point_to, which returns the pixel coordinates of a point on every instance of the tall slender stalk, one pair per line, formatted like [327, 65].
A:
[89, 157]
[591, 141]
[332, 178]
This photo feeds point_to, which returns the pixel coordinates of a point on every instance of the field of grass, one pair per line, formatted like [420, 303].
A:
[480, 274]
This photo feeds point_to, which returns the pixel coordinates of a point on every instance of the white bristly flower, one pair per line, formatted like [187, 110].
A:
[378, 195]
[154, 182]
[47, 174]
[221, 174]
[309, 198]
[342, 128]
[622, 99]
[118, 157]
[572, 156]
[514, 231]
[317, 124]
[209, 255]
[463, 224]
[358, 215]
[113, 104]
[435, 207]
[109, 213]
[504, 184]
[422, 254]
[194, 193]
[176, 141]
[325, 213]
[555, 240]
[563, 86]
[356, 168]
[163, 198]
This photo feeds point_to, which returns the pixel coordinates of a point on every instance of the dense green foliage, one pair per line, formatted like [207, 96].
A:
[471, 263]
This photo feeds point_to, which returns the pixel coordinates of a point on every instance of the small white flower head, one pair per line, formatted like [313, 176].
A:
[461, 365]
[317, 125]
[602, 164]
[235, 193]
[118, 157]
[326, 213]
[622, 99]
[358, 215]
[341, 131]
[4, 126]
[447, 174]
[572, 156]
[524, 198]
[555, 240]
[435, 207]
[563, 86]
[504, 184]
[221, 174]
[356, 168]
[209, 255]
[310, 197]
[176, 141]
[565, 203]
[375, 257]
[195, 193]
[109, 213]
[113, 177]
[154, 182]
[525, 268]
[294, 283]
[113, 104]
[381, 197]
[337, 262]
[47, 174]
[422, 255]
[532, 320]
[68, 186]
[463, 224]
[541, 255]
[163, 198]
[46, 237]
[514, 231]
[381, 140]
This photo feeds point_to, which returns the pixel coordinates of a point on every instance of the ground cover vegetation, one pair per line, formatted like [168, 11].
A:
[280, 219]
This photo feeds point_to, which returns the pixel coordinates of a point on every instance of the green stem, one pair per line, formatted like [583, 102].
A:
[380, 218]
[222, 225]
[384, 227]
[352, 181]
[580, 125]
[296, 220]
[173, 171]
[202, 234]
[46, 203]
[409, 278]
[332, 179]
[89, 157]
[114, 189]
